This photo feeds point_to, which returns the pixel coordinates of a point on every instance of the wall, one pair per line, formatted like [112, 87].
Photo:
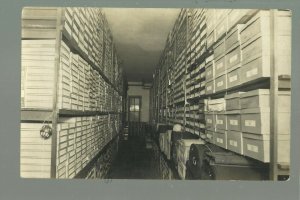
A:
[138, 90]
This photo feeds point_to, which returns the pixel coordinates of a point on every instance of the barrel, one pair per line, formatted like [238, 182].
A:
[197, 155]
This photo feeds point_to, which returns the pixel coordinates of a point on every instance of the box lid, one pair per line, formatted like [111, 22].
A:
[233, 112]
[256, 136]
[256, 110]
[256, 93]
[234, 132]
[234, 95]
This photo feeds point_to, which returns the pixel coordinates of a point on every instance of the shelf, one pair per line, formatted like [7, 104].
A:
[75, 48]
[36, 115]
[83, 173]
[45, 115]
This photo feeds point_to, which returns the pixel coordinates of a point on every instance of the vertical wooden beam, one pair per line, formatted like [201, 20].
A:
[273, 96]
[55, 92]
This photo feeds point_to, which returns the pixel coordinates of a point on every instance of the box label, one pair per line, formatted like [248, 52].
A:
[219, 121]
[251, 123]
[252, 148]
[209, 72]
[252, 72]
[233, 122]
[219, 84]
[220, 140]
[233, 58]
[233, 78]
[209, 121]
[233, 143]
[209, 88]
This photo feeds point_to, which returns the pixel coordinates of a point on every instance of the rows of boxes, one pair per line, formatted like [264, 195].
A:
[87, 27]
[80, 86]
[80, 139]
[241, 123]
[102, 165]
[243, 55]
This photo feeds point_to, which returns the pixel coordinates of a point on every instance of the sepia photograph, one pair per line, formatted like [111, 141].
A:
[155, 93]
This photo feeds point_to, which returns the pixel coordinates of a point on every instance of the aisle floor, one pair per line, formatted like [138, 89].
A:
[134, 161]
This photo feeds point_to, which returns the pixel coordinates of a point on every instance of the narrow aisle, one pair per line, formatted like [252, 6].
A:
[134, 161]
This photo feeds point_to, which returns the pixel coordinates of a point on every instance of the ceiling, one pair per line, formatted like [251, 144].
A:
[140, 35]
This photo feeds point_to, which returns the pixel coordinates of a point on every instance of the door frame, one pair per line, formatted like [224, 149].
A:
[140, 108]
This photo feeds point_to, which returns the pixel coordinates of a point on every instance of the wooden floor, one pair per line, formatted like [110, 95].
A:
[134, 160]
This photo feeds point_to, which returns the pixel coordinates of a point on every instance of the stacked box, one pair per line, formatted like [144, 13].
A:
[233, 112]
[255, 120]
[256, 52]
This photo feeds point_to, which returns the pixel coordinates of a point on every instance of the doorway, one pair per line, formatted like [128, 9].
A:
[134, 115]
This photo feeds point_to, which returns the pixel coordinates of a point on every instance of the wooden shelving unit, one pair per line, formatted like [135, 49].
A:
[53, 115]
[186, 70]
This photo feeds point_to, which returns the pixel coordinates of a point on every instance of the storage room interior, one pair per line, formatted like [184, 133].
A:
[155, 93]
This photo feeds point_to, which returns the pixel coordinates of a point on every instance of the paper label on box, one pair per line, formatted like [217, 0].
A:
[233, 122]
[233, 58]
[209, 121]
[209, 72]
[220, 140]
[233, 143]
[233, 78]
[251, 123]
[209, 88]
[220, 65]
[219, 84]
[252, 148]
[252, 72]
[219, 121]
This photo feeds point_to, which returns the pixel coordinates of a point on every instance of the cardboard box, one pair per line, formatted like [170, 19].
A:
[221, 83]
[235, 141]
[221, 139]
[233, 77]
[233, 120]
[220, 66]
[233, 58]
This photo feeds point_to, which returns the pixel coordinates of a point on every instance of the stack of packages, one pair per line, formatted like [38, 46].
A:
[255, 124]
[216, 124]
